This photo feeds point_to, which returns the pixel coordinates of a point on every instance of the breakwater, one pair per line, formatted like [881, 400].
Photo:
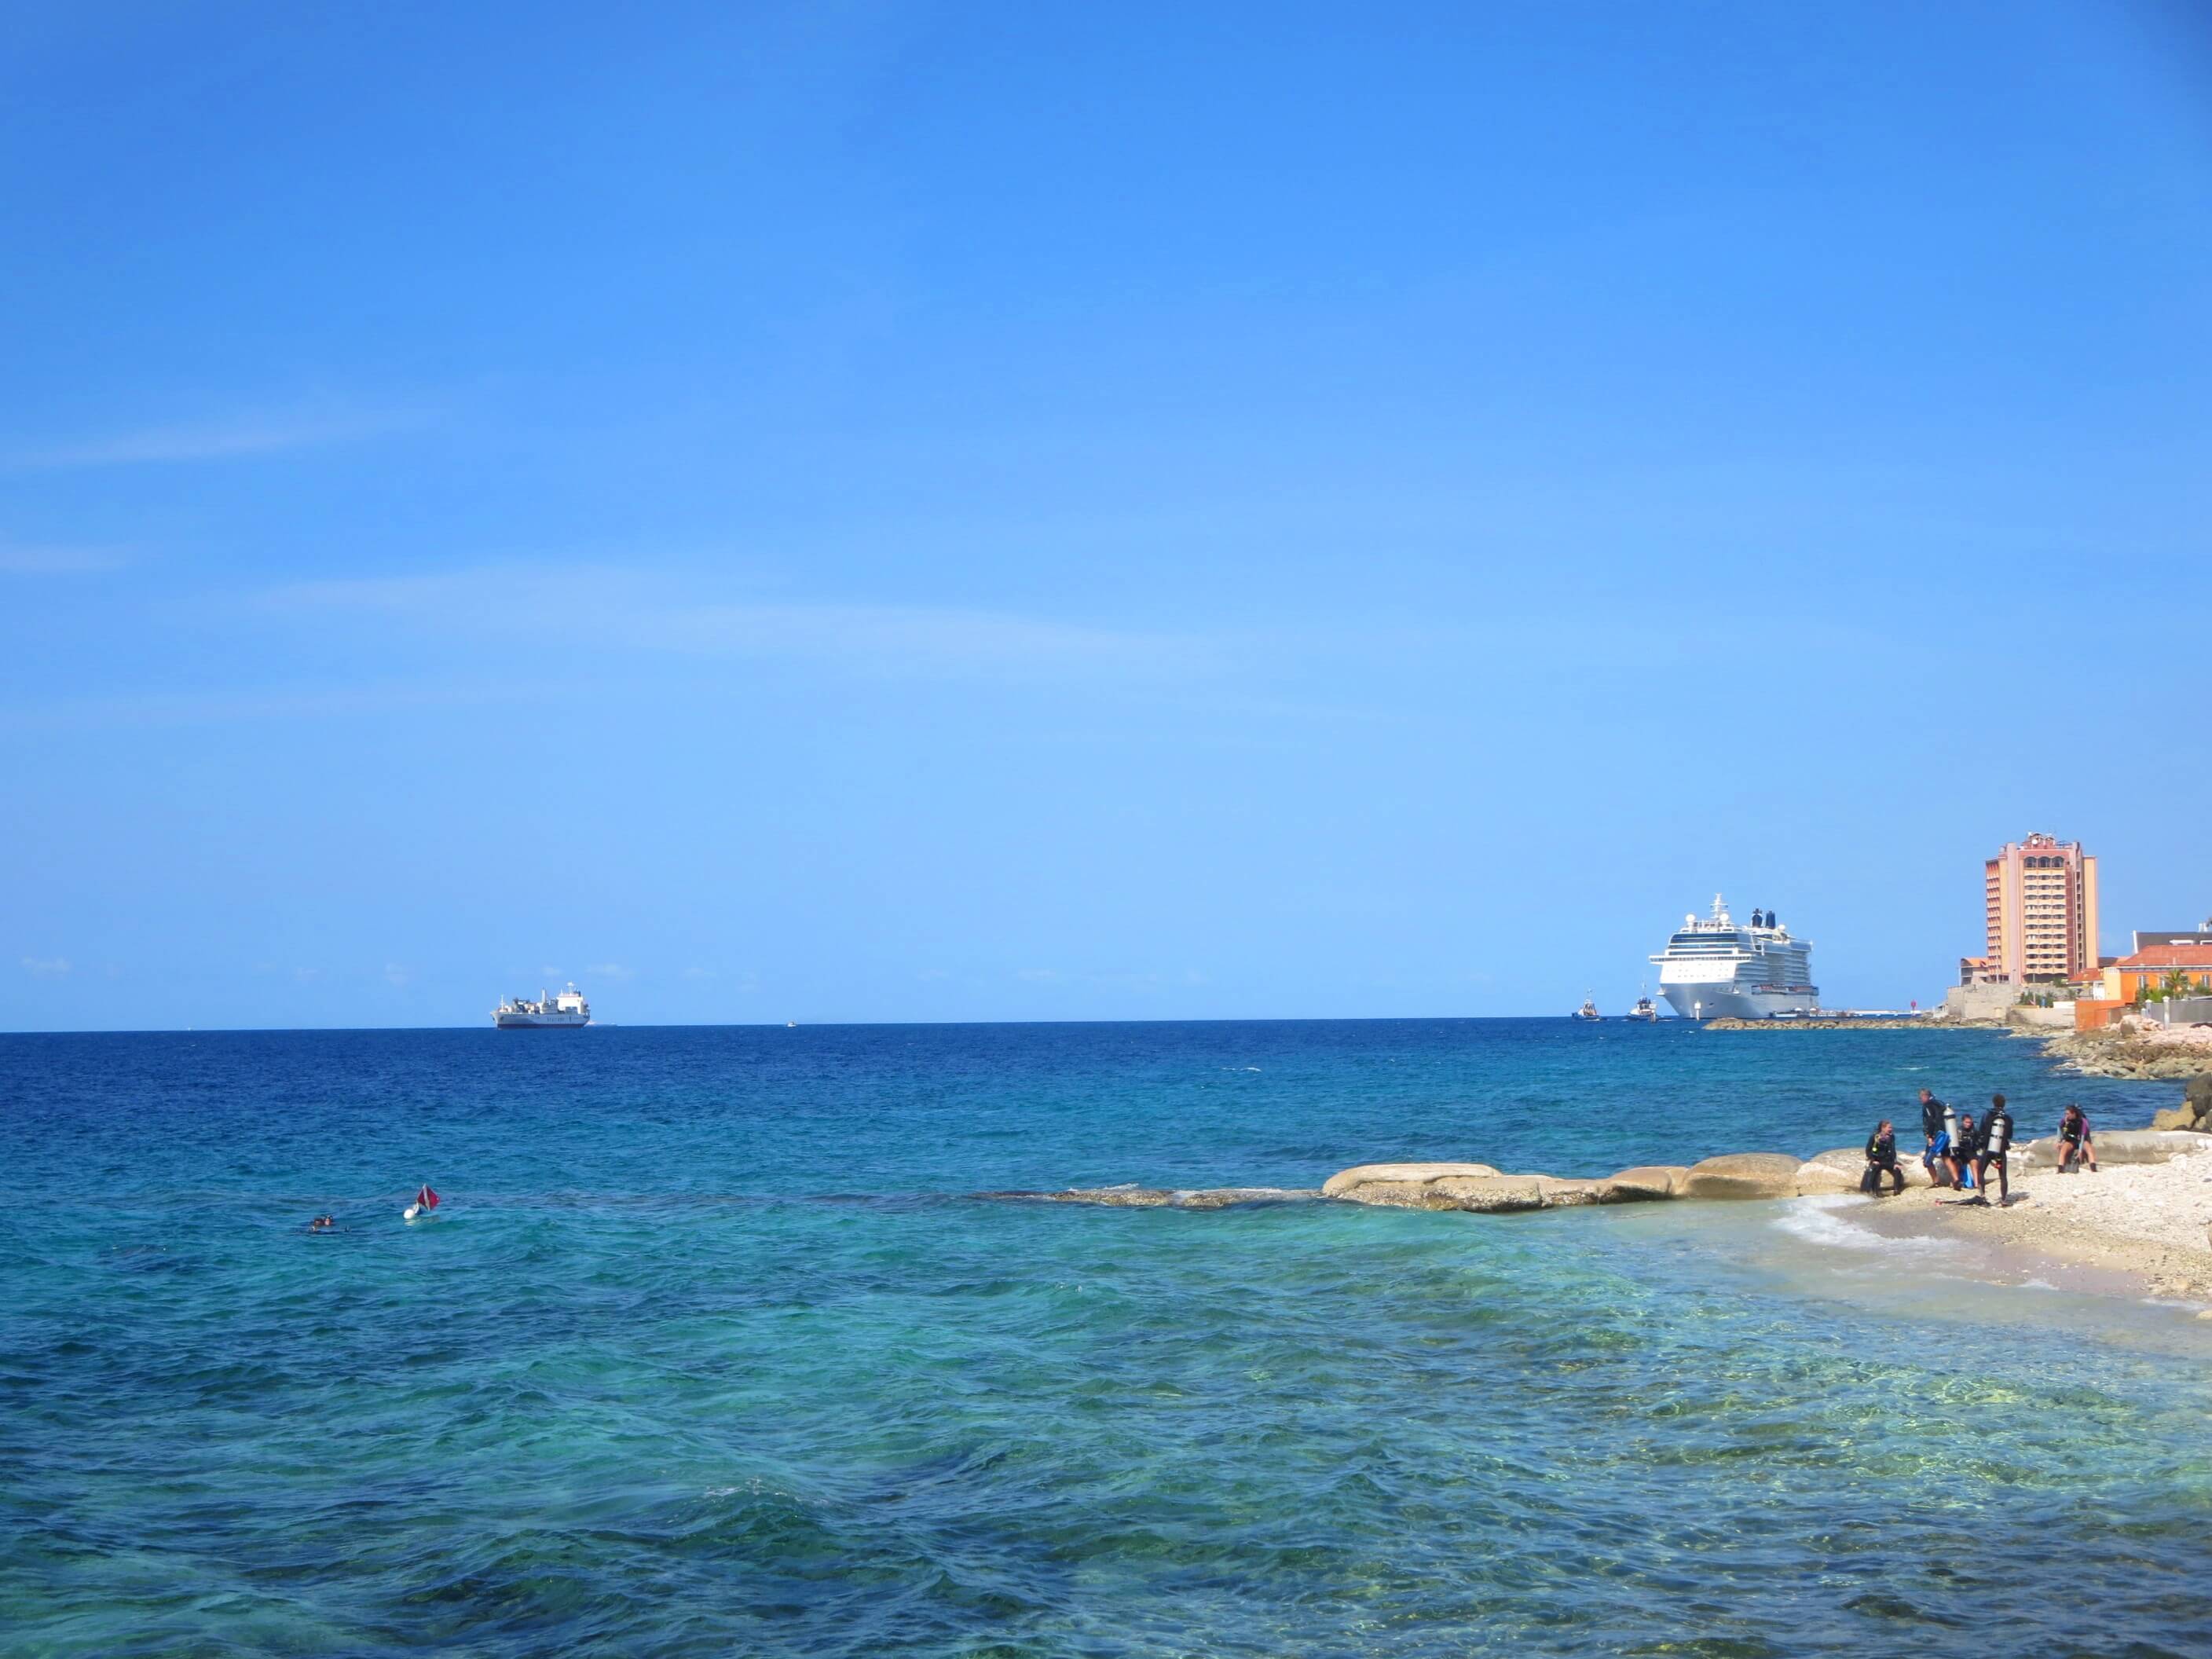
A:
[1853, 1023]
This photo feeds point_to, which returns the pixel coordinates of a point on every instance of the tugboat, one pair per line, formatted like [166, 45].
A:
[1644, 1010]
[1588, 1011]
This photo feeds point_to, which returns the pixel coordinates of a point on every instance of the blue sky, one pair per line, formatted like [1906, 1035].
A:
[847, 512]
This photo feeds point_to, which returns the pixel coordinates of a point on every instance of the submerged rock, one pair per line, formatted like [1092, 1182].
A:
[1742, 1174]
[1120, 1197]
[1163, 1198]
[1220, 1198]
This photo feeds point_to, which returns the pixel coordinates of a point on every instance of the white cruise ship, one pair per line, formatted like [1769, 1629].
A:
[1715, 965]
[561, 1013]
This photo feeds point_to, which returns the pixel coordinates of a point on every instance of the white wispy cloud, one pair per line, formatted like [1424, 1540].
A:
[613, 608]
[228, 438]
[47, 967]
[397, 976]
[17, 559]
[614, 971]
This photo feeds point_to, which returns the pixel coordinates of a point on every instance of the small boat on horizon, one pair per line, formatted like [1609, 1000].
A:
[1645, 1009]
[1588, 1011]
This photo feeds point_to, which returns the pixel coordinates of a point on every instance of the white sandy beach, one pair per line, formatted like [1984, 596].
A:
[2152, 1222]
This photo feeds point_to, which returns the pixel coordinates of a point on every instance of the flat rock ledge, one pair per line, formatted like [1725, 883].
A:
[1486, 1190]
[1366, 1174]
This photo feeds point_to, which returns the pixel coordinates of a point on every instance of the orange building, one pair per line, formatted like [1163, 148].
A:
[2128, 978]
[2040, 901]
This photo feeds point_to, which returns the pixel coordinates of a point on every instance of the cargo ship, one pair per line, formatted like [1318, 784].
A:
[564, 1013]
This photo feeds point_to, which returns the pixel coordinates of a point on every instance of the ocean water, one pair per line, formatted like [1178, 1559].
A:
[721, 1347]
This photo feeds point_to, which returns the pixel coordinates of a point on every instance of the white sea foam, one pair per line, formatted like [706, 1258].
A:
[1822, 1219]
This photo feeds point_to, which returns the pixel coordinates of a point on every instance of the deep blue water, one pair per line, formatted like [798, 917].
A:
[716, 1351]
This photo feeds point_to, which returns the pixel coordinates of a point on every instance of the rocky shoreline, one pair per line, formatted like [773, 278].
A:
[2097, 1053]
[2141, 1221]
[1484, 1189]
[2144, 1216]
[2115, 1053]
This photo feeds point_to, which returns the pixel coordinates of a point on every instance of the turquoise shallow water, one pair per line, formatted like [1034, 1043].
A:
[718, 1352]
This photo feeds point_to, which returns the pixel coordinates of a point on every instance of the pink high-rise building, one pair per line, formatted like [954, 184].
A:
[2040, 895]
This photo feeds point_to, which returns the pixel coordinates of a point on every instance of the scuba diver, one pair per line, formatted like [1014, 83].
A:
[1962, 1152]
[1997, 1136]
[1881, 1159]
[2075, 1143]
[324, 1223]
[1935, 1124]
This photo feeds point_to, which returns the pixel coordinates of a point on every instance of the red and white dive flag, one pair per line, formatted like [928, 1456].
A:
[426, 1198]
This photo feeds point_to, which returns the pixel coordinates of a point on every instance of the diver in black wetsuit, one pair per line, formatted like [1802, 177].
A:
[1881, 1159]
[2076, 1145]
[1990, 1152]
[1936, 1159]
[1963, 1147]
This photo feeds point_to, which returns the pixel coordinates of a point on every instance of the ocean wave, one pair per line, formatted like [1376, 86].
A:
[1821, 1219]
